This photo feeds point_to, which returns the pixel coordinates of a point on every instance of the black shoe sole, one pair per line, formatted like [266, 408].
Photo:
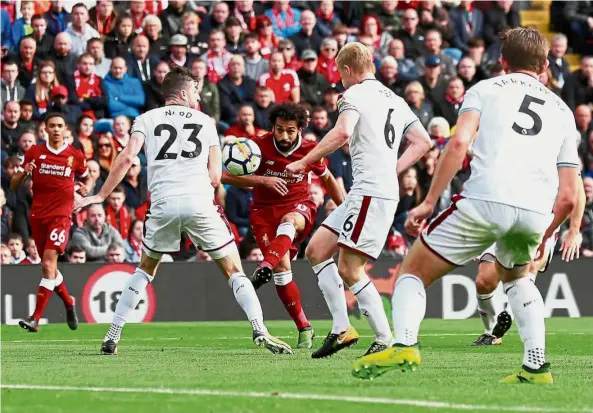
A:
[334, 350]
[503, 324]
[27, 327]
[71, 318]
[261, 276]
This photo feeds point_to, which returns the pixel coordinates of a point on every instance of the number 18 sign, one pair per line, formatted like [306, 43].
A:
[102, 291]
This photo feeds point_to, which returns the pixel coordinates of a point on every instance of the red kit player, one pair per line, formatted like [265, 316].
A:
[52, 167]
[281, 212]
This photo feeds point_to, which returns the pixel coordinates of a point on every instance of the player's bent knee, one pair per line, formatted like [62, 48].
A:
[49, 268]
[230, 263]
[487, 279]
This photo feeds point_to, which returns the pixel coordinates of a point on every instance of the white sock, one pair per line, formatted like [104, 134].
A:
[371, 306]
[408, 308]
[332, 288]
[489, 306]
[128, 300]
[247, 299]
[528, 307]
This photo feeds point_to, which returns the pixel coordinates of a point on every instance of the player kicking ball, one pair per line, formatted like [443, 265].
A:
[526, 165]
[373, 120]
[281, 213]
[181, 147]
[498, 321]
[52, 167]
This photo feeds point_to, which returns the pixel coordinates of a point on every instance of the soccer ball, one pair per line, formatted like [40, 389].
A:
[241, 156]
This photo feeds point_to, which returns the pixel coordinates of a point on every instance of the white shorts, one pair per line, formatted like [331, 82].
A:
[202, 221]
[362, 224]
[470, 226]
[490, 254]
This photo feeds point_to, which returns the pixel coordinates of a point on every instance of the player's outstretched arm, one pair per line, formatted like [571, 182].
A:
[572, 239]
[272, 182]
[333, 189]
[215, 165]
[420, 143]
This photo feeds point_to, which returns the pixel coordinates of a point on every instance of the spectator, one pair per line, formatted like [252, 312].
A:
[41, 132]
[133, 244]
[433, 83]
[255, 64]
[84, 133]
[501, 16]
[578, 88]
[135, 188]
[79, 30]
[115, 254]
[63, 58]
[327, 19]
[326, 64]
[262, 104]
[94, 47]
[286, 47]
[121, 132]
[433, 17]
[234, 36]
[410, 35]
[103, 17]
[587, 230]
[171, 17]
[39, 92]
[152, 28]
[449, 106]
[26, 61]
[254, 254]
[310, 36]
[117, 215]
[95, 182]
[26, 121]
[579, 15]
[15, 245]
[268, 41]
[476, 50]
[125, 93]
[548, 81]
[235, 89]
[6, 35]
[32, 253]
[177, 56]
[197, 42]
[11, 87]
[313, 83]
[210, 98]
[22, 26]
[558, 64]
[245, 13]
[432, 43]
[238, 202]
[96, 235]
[5, 255]
[59, 103]
[5, 217]
[368, 42]
[388, 15]
[44, 40]
[26, 141]
[284, 83]
[138, 12]
[22, 211]
[284, 18]
[152, 87]
[216, 19]
[388, 76]
[415, 97]
[119, 40]
[440, 131]
[105, 154]
[57, 18]
[371, 27]
[582, 116]
[340, 35]
[406, 68]
[467, 22]
[217, 58]
[320, 124]
[340, 165]
[467, 72]
[88, 89]
[330, 103]
[76, 255]
[410, 196]
[10, 129]
[245, 126]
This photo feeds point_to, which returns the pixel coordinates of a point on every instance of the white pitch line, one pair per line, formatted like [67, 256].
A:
[302, 396]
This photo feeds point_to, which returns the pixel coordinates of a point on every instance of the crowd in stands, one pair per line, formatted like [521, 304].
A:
[102, 63]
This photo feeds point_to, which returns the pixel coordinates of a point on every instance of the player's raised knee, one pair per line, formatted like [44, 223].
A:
[487, 279]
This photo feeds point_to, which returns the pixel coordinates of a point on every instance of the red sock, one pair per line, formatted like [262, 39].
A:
[62, 291]
[43, 295]
[277, 250]
[291, 298]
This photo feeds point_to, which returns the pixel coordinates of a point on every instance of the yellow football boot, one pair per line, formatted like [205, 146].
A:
[529, 376]
[397, 357]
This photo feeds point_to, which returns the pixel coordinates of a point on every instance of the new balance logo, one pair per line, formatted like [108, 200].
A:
[133, 290]
[42, 156]
[269, 162]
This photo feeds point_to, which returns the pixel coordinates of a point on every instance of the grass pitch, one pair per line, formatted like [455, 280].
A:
[214, 367]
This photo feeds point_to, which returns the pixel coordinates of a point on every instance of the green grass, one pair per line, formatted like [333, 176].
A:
[220, 356]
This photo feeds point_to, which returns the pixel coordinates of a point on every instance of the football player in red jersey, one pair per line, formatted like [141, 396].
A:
[281, 212]
[52, 167]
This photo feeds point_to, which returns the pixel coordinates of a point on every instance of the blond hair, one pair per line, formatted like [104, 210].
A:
[357, 57]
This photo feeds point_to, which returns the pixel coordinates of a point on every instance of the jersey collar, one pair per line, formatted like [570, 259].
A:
[56, 151]
[293, 150]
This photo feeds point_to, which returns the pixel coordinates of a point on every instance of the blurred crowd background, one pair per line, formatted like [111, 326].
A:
[102, 63]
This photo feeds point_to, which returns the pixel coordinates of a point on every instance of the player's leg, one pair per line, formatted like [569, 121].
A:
[320, 251]
[489, 304]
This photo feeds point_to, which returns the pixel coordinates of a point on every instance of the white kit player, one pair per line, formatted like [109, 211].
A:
[184, 167]
[372, 120]
[525, 166]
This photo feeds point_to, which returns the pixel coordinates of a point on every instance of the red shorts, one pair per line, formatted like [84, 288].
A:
[51, 233]
[265, 222]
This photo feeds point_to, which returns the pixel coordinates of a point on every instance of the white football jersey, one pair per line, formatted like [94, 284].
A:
[178, 141]
[384, 119]
[525, 133]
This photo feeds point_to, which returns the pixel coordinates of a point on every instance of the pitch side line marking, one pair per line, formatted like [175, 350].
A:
[300, 396]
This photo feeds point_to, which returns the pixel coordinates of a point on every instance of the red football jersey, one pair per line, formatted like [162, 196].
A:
[274, 162]
[282, 86]
[53, 179]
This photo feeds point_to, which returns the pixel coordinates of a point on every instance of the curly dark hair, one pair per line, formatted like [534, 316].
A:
[289, 111]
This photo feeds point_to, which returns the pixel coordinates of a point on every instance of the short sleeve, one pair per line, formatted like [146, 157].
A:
[568, 156]
[211, 134]
[472, 101]
[81, 168]
[295, 79]
[410, 119]
[30, 155]
[139, 126]
[348, 101]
